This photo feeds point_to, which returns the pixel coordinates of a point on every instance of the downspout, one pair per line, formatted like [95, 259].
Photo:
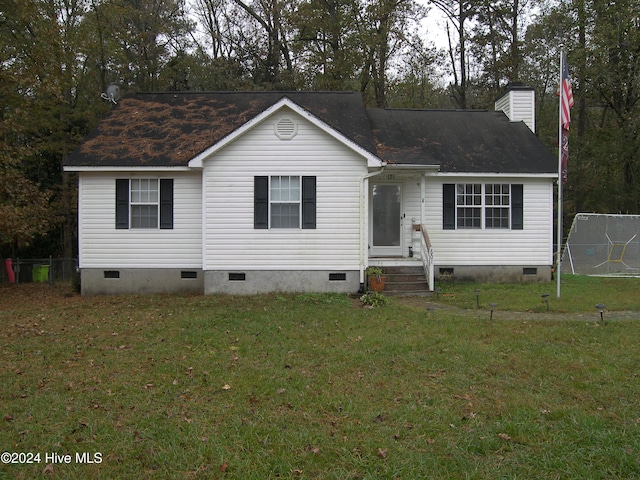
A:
[364, 219]
[423, 192]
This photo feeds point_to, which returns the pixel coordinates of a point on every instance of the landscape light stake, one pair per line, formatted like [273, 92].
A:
[437, 291]
[545, 298]
[601, 307]
[492, 306]
[477, 292]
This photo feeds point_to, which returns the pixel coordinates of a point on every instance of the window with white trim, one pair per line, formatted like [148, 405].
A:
[284, 197]
[284, 201]
[483, 206]
[468, 205]
[144, 203]
[497, 199]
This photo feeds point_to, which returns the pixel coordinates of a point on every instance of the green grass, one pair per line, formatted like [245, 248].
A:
[316, 386]
[578, 294]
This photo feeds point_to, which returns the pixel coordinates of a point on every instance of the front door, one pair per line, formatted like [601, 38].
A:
[386, 220]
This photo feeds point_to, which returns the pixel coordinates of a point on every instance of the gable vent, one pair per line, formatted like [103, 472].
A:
[286, 129]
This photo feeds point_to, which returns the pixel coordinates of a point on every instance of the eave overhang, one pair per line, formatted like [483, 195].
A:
[82, 168]
[498, 174]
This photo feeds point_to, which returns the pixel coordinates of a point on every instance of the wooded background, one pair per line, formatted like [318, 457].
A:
[59, 56]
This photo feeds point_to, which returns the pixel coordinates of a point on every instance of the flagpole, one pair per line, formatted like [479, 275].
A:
[560, 133]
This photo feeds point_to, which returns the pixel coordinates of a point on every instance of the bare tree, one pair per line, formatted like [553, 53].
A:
[459, 13]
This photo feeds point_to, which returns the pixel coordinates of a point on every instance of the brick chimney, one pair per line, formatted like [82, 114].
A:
[518, 102]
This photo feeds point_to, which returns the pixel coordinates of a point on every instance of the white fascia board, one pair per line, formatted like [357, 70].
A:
[496, 174]
[372, 160]
[408, 166]
[126, 169]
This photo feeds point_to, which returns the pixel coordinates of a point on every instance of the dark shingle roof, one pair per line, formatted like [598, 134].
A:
[169, 129]
[473, 141]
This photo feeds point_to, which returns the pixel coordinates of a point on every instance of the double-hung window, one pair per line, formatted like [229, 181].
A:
[497, 199]
[468, 205]
[284, 198]
[284, 201]
[144, 203]
[482, 206]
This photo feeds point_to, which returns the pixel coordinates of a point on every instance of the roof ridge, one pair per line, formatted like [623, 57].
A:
[459, 110]
[252, 92]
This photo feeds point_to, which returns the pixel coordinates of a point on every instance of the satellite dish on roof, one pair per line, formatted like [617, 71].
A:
[113, 93]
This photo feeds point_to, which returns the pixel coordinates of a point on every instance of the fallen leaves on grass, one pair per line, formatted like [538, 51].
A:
[312, 449]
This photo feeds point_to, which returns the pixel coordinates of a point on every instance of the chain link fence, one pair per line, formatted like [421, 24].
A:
[42, 270]
[603, 244]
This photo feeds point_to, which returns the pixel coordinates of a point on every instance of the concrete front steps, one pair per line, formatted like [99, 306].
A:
[405, 280]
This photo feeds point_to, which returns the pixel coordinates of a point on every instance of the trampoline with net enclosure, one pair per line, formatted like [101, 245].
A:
[603, 244]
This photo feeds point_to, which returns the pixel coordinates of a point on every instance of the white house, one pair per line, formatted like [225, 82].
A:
[247, 192]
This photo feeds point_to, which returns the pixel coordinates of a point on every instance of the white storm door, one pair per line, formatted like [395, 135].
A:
[386, 220]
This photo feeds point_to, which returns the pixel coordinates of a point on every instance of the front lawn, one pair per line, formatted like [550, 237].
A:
[316, 386]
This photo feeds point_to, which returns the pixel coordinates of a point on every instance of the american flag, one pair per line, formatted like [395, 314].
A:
[566, 102]
[566, 96]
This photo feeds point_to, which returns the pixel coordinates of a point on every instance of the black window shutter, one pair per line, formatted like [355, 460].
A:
[448, 206]
[166, 203]
[261, 202]
[122, 203]
[309, 202]
[517, 207]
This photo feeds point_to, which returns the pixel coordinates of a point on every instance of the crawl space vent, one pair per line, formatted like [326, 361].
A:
[286, 129]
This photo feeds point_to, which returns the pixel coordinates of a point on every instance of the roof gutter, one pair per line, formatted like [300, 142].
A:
[409, 166]
[498, 174]
[84, 168]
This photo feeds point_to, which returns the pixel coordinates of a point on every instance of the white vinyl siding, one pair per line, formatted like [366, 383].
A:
[103, 246]
[230, 240]
[411, 211]
[519, 105]
[532, 245]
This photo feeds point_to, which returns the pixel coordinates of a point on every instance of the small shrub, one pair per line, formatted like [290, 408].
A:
[374, 271]
[373, 299]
